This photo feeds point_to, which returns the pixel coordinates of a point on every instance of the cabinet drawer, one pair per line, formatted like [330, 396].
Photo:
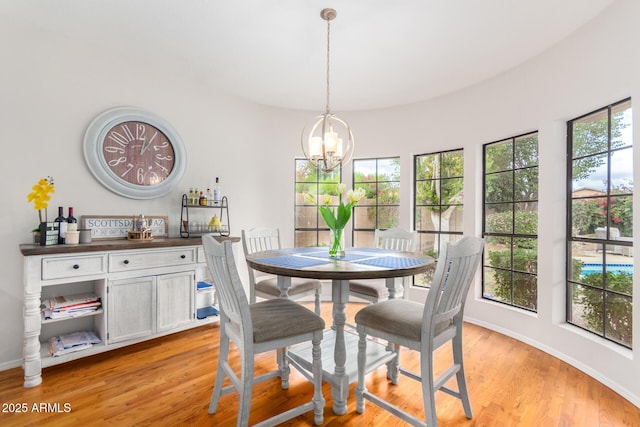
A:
[127, 261]
[76, 266]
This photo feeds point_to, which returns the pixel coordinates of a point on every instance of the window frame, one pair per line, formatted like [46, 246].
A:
[321, 230]
[609, 240]
[424, 280]
[376, 206]
[510, 236]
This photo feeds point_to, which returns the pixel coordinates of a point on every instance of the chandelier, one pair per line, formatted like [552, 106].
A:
[327, 142]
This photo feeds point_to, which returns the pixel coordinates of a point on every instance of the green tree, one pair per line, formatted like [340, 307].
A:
[591, 136]
[383, 186]
[440, 188]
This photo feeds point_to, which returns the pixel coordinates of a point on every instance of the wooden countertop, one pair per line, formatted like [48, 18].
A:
[28, 249]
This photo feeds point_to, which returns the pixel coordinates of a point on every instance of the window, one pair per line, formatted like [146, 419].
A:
[309, 227]
[438, 216]
[510, 221]
[380, 207]
[600, 222]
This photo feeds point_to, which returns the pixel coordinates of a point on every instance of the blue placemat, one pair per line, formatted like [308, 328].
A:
[293, 261]
[391, 262]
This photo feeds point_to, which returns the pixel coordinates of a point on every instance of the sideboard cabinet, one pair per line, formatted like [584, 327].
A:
[147, 289]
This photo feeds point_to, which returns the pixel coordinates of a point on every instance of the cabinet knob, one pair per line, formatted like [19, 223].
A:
[76, 266]
[183, 256]
[126, 261]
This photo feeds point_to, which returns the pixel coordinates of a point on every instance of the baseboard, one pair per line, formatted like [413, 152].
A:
[10, 364]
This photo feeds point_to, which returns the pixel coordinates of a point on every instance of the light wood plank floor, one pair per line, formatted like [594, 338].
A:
[168, 381]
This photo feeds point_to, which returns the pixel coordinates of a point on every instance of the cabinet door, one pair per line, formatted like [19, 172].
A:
[175, 300]
[131, 309]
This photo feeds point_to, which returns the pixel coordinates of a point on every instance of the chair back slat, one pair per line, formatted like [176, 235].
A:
[454, 273]
[233, 300]
[260, 239]
[396, 239]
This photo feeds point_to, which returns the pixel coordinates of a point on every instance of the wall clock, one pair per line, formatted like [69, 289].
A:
[134, 153]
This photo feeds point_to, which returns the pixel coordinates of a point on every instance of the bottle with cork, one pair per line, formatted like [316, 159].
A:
[217, 195]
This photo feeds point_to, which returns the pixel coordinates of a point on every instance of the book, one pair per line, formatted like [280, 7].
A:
[56, 348]
[70, 343]
[68, 301]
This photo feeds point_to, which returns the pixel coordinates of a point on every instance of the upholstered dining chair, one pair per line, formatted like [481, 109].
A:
[257, 328]
[375, 290]
[266, 286]
[423, 328]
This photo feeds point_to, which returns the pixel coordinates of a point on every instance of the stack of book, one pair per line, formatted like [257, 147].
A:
[76, 341]
[70, 306]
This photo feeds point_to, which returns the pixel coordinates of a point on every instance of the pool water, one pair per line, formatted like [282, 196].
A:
[612, 268]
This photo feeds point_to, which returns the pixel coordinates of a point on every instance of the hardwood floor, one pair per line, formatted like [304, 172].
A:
[168, 382]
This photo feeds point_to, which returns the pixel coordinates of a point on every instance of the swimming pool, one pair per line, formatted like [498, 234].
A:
[612, 268]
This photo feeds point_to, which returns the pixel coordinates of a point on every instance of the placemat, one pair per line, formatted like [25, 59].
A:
[293, 261]
[391, 262]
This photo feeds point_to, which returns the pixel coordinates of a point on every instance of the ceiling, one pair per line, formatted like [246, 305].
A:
[383, 53]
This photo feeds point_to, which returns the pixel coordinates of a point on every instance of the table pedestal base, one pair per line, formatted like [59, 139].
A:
[376, 355]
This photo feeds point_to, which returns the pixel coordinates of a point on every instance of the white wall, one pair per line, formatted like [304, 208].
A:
[52, 87]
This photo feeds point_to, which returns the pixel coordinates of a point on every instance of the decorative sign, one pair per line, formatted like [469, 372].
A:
[118, 226]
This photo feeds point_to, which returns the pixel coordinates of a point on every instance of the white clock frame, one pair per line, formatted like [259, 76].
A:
[93, 141]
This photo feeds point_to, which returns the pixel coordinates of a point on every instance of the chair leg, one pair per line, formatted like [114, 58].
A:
[460, 376]
[317, 308]
[393, 366]
[223, 357]
[316, 368]
[362, 361]
[246, 387]
[283, 367]
[428, 391]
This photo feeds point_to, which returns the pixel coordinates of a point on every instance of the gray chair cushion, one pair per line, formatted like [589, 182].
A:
[406, 315]
[281, 317]
[373, 287]
[298, 285]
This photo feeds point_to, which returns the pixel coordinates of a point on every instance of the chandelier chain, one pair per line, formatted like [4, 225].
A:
[328, 59]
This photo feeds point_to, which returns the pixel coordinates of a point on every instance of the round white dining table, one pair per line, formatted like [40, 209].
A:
[358, 263]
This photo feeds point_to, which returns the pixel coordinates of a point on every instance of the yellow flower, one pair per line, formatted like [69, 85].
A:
[336, 218]
[354, 196]
[310, 198]
[40, 194]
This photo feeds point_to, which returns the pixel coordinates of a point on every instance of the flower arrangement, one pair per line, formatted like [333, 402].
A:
[336, 218]
[40, 197]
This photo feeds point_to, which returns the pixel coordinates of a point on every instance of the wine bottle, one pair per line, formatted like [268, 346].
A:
[62, 225]
[72, 220]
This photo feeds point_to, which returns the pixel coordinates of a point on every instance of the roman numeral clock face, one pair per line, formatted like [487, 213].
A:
[134, 153]
[138, 153]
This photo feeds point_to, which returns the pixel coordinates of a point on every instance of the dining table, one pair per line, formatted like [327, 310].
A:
[339, 345]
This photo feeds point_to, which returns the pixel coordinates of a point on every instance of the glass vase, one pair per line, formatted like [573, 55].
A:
[336, 248]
